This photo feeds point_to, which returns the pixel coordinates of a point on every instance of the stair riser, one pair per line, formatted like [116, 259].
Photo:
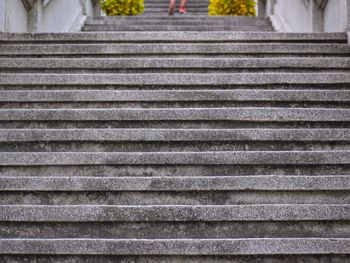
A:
[162, 230]
[174, 79]
[177, 28]
[180, 114]
[175, 37]
[179, 22]
[177, 70]
[175, 198]
[171, 170]
[71, 64]
[168, 49]
[174, 213]
[174, 135]
[181, 97]
[176, 247]
[165, 17]
[172, 104]
[156, 88]
[184, 184]
[194, 146]
[172, 259]
[175, 158]
[169, 124]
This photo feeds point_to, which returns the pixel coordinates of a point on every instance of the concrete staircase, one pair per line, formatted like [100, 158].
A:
[195, 7]
[156, 18]
[174, 147]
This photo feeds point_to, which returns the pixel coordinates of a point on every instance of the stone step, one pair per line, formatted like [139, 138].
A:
[164, 9]
[179, 124]
[190, 114]
[169, 213]
[178, 17]
[205, 96]
[167, 27]
[170, 48]
[172, 259]
[171, 146]
[166, 4]
[176, 230]
[149, 64]
[137, 198]
[177, 20]
[168, 170]
[189, 247]
[175, 158]
[167, 135]
[176, 79]
[176, 184]
[89, 195]
[217, 37]
[177, 140]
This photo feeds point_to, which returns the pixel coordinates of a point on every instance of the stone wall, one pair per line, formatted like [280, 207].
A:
[13, 16]
[336, 16]
[62, 15]
[44, 15]
[307, 15]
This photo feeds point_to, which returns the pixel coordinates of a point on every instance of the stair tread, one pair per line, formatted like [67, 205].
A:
[115, 37]
[214, 79]
[167, 135]
[263, 246]
[208, 158]
[174, 48]
[166, 213]
[174, 184]
[185, 62]
[238, 114]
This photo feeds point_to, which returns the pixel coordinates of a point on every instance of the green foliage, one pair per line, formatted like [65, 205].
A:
[232, 8]
[122, 7]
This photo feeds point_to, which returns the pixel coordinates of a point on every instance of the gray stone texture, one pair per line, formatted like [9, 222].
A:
[204, 158]
[174, 95]
[174, 146]
[194, 114]
[176, 63]
[115, 37]
[175, 247]
[173, 48]
[105, 213]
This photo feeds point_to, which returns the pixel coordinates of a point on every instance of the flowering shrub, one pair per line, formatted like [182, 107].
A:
[122, 7]
[232, 8]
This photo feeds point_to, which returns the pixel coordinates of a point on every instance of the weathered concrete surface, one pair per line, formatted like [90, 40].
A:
[205, 158]
[99, 159]
[28, 135]
[161, 63]
[195, 114]
[220, 183]
[176, 37]
[90, 213]
[175, 247]
[174, 48]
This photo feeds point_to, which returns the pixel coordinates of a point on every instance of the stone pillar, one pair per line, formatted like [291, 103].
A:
[35, 17]
[2, 15]
[317, 8]
[262, 8]
[348, 16]
[271, 7]
[97, 8]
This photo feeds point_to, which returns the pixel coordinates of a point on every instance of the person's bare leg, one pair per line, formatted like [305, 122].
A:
[172, 7]
[182, 9]
[183, 3]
